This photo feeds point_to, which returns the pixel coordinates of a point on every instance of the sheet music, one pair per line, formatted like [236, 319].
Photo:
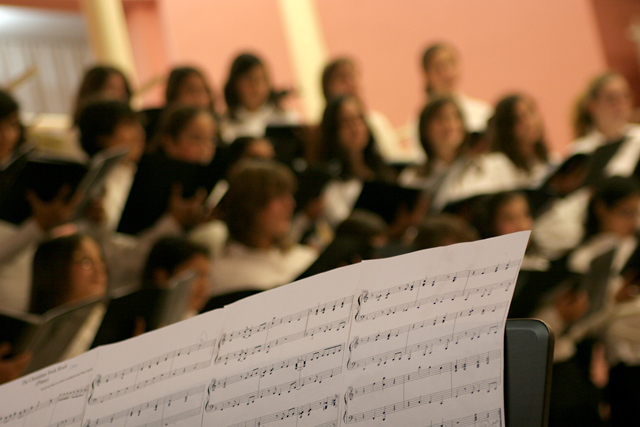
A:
[426, 346]
[281, 355]
[51, 397]
[411, 340]
[158, 378]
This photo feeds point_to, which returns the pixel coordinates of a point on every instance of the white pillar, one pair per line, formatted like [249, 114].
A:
[109, 35]
[308, 52]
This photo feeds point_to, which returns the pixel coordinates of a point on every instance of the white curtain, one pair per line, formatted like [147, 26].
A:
[60, 62]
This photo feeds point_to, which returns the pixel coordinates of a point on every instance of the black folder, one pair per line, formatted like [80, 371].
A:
[152, 186]
[48, 335]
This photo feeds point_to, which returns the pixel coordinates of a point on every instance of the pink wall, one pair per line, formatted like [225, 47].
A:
[210, 34]
[547, 48]
[614, 18]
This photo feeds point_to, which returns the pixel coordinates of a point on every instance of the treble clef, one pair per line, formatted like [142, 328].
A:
[351, 365]
[208, 407]
[95, 384]
[361, 300]
[348, 396]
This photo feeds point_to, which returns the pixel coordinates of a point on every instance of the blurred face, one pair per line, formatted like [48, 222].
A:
[128, 134]
[274, 220]
[88, 273]
[528, 125]
[196, 142]
[9, 135]
[253, 88]
[621, 218]
[344, 81]
[443, 72]
[115, 88]
[446, 132]
[612, 106]
[260, 149]
[513, 216]
[193, 91]
[202, 282]
[352, 129]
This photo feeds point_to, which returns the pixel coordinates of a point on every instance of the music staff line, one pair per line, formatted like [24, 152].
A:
[148, 364]
[433, 299]
[242, 354]
[296, 362]
[424, 347]
[74, 394]
[426, 399]
[417, 284]
[156, 405]
[298, 411]
[422, 373]
[285, 387]
[438, 320]
[320, 309]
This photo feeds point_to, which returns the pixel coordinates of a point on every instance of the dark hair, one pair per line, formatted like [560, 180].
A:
[329, 71]
[177, 77]
[235, 151]
[168, 253]
[582, 120]
[333, 151]
[99, 119]
[502, 131]
[51, 272]
[428, 55]
[487, 209]
[93, 82]
[252, 185]
[243, 64]
[176, 119]
[428, 113]
[9, 106]
[609, 192]
[443, 229]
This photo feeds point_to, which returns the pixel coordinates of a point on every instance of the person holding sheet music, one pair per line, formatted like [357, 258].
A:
[252, 103]
[17, 243]
[604, 132]
[68, 270]
[107, 124]
[258, 208]
[349, 152]
[171, 256]
[188, 133]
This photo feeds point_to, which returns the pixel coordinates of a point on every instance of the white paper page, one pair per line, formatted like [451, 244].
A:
[51, 397]
[281, 355]
[426, 346]
[157, 379]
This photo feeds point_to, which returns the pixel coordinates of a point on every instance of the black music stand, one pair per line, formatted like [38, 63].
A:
[528, 365]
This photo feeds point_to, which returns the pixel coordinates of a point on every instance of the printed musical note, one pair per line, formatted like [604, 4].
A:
[435, 299]
[181, 397]
[42, 405]
[298, 411]
[203, 350]
[320, 309]
[429, 371]
[452, 277]
[426, 399]
[279, 389]
[438, 320]
[425, 346]
[298, 363]
[241, 355]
